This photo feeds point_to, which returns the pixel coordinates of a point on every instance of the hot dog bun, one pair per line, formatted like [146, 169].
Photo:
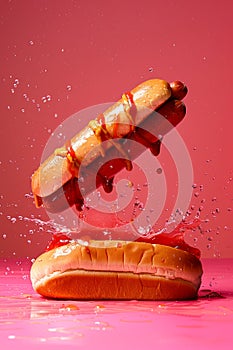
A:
[116, 270]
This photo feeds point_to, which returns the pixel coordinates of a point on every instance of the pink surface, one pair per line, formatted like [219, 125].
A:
[28, 320]
[58, 57]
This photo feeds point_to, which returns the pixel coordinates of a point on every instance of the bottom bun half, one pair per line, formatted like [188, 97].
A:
[116, 270]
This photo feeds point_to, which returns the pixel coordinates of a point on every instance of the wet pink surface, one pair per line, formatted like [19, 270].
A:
[26, 319]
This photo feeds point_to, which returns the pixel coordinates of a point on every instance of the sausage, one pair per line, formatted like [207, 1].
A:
[106, 144]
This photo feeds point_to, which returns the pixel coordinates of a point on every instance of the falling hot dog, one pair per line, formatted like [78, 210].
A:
[56, 182]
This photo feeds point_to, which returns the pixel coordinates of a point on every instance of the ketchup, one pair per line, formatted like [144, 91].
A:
[70, 150]
[104, 132]
[58, 240]
[174, 239]
[72, 159]
[133, 107]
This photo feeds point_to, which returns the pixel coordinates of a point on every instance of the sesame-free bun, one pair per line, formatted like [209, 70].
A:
[116, 270]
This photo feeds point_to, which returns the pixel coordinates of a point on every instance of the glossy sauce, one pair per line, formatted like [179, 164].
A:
[132, 108]
[72, 159]
[173, 239]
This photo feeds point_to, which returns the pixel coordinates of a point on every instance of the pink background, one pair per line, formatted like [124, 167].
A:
[58, 57]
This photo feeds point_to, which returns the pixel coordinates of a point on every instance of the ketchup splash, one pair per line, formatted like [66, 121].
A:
[58, 240]
[173, 239]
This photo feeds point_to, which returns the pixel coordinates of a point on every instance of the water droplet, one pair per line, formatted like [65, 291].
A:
[13, 220]
[22, 110]
[194, 148]
[31, 42]
[196, 194]
[214, 199]
[217, 210]
[69, 87]
[151, 69]
[46, 98]
[11, 336]
[229, 209]
[4, 235]
[194, 186]
[159, 171]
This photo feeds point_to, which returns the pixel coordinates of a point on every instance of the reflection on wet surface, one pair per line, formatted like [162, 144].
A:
[25, 317]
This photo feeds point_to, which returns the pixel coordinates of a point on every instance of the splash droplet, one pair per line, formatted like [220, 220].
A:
[159, 171]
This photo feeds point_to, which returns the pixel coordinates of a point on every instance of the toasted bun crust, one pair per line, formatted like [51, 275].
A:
[117, 270]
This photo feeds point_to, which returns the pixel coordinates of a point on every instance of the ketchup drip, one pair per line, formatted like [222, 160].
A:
[108, 185]
[72, 159]
[115, 128]
[133, 107]
[104, 131]
[155, 148]
[106, 182]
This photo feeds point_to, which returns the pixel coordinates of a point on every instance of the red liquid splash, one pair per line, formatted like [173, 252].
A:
[173, 239]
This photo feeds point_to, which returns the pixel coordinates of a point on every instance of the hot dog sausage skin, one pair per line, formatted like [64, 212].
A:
[56, 182]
